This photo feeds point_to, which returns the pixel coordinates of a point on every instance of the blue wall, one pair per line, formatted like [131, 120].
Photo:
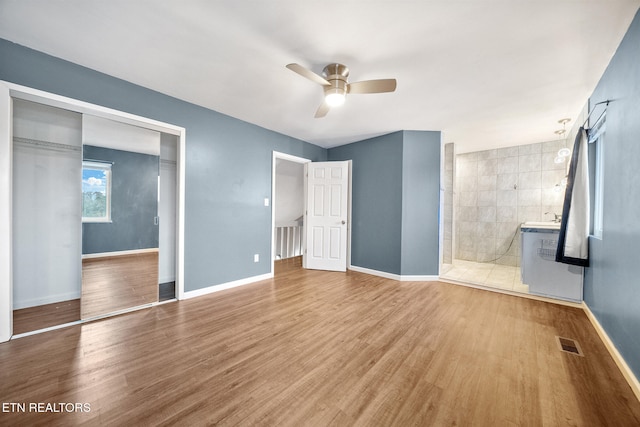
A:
[612, 284]
[228, 163]
[395, 202]
[228, 175]
[420, 203]
[133, 207]
[376, 201]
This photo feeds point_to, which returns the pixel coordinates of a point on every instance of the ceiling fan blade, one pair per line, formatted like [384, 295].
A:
[304, 72]
[372, 86]
[322, 110]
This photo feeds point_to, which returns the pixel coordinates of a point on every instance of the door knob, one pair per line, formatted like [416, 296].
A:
[344, 222]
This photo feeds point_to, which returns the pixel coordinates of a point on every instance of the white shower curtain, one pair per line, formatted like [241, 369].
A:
[573, 242]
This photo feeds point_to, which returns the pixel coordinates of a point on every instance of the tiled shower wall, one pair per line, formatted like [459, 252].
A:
[447, 217]
[497, 190]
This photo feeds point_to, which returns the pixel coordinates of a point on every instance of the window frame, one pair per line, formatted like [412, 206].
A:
[107, 169]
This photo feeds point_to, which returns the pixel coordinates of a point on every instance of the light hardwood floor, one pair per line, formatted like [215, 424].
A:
[115, 283]
[44, 316]
[109, 284]
[322, 348]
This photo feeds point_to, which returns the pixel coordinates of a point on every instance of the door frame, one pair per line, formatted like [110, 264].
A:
[9, 91]
[302, 160]
[282, 156]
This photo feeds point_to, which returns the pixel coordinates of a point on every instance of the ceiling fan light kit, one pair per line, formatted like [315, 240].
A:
[334, 97]
[336, 85]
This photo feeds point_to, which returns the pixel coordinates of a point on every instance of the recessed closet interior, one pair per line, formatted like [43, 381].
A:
[93, 216]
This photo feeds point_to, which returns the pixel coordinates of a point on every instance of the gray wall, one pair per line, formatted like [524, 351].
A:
[228, 175]
[134, 203]
[376, 212]
[228, 163]
[612, 289]
[420, 203]
[395, 201]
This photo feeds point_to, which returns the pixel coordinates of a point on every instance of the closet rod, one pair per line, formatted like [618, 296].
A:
[46, 144]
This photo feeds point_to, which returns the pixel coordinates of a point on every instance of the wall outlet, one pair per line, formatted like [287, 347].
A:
[266, 201]
[256, 258]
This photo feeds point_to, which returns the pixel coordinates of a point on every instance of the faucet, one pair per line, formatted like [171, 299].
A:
[557, 218]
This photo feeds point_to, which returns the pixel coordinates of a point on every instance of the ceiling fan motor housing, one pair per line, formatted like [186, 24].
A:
[336, 74]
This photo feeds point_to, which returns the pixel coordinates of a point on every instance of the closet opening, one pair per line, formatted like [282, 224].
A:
[96, 208]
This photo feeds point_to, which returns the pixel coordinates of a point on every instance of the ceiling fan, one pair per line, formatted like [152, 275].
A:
[336, 85]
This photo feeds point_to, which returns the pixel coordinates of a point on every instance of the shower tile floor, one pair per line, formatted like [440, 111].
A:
[490, 275]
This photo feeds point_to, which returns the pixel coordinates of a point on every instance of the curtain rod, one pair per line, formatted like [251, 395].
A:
[594, 109]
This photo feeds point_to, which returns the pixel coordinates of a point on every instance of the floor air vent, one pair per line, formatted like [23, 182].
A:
[570, 346]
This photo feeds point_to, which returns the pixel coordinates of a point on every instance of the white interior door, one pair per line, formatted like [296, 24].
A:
[326, 216]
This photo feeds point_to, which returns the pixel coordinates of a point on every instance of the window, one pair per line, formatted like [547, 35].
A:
[596, 136]
[96, 192]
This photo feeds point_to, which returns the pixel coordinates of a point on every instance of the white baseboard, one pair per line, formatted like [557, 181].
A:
[223, 286]
[392, 276]
[120, 253]
[49, 299]
[410, 278]
[617, 357]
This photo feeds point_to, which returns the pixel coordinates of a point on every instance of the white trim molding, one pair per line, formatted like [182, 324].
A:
[6, 274]
[120, 253]
[398, 277]
[228, 285]
[615, 354]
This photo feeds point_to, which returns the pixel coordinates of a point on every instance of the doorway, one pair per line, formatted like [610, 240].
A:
[65, 173]
[46, 264]
[120, 227]
[168, 216]
[288, 203]
[327, 192]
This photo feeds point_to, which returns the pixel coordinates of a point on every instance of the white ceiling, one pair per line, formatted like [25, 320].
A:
[488, 73]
